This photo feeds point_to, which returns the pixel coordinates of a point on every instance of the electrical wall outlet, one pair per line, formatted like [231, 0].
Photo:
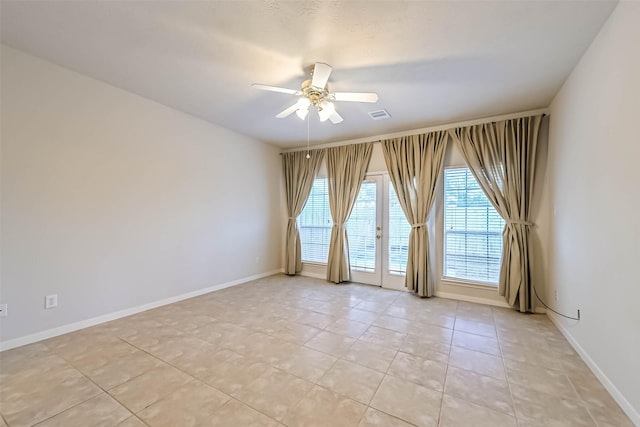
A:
[51, 301]
[3, 310]
[555, 295]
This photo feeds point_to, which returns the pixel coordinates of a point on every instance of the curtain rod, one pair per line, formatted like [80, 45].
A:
[541, 112]
[378, 141]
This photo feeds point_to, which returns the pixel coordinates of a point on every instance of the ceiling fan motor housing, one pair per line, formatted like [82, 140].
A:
[314, 94]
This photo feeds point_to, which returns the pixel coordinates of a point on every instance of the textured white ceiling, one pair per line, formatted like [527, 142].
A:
[430, 62]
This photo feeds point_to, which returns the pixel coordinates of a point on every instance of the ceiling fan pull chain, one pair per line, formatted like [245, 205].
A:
[308, 124]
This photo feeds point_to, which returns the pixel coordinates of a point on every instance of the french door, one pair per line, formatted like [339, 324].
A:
[378, 235]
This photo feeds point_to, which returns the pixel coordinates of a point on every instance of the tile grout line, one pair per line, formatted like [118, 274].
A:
[86, 400]
[341, 357]
[231, 397]
[167, 363]
[586, 406]
[446, 371]
[247, 405]
[506, 374]
[386, 372]
[483, 375]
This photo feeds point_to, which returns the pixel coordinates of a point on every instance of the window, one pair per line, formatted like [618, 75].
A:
[399, 230]
[315, 224]
[472, 230]
[361, 229]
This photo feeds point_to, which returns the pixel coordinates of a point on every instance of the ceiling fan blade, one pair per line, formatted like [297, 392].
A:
[335, 118]
[276, 89]
[356, 96]
[321, 73]
[288, 111]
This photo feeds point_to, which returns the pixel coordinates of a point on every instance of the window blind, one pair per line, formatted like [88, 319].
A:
[472, 230]
[315, 224]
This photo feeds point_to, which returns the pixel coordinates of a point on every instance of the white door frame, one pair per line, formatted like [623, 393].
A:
[374, 277]
[381, 275]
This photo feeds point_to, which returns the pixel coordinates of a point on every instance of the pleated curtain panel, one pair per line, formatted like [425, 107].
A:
[415, 164]
[346, 168]
[502, 157]
[299, 174]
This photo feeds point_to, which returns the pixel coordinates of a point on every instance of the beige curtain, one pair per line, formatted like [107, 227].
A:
[502, 157]
[346, 167]
[299, 173]
[415, 165]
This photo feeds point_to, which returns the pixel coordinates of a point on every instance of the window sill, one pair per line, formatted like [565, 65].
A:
[468, 284]
[314, 263]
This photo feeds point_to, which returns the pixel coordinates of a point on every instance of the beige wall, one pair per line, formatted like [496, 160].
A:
[594, 236]
[112, 201]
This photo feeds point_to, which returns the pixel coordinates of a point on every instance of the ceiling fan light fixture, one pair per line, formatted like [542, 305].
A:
[315, 92]
[303, 102]
[302, 113]
[326, 109]
[303, 107]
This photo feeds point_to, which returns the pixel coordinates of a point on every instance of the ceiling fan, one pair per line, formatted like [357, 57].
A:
[315, 91]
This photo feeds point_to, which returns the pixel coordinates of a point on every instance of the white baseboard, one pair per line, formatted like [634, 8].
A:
[447, 295]
[628, 409]
[478, 300]
[71, 327]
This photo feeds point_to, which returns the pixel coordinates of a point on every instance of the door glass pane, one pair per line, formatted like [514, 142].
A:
[399, 230]
[361, 229]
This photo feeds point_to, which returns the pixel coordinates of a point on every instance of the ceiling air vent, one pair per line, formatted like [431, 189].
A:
[379, 115]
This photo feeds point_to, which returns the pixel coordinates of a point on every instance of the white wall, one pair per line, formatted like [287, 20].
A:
[112, 201]
[594, 238]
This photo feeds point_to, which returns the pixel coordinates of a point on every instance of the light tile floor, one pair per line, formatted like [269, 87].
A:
[304, 352]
